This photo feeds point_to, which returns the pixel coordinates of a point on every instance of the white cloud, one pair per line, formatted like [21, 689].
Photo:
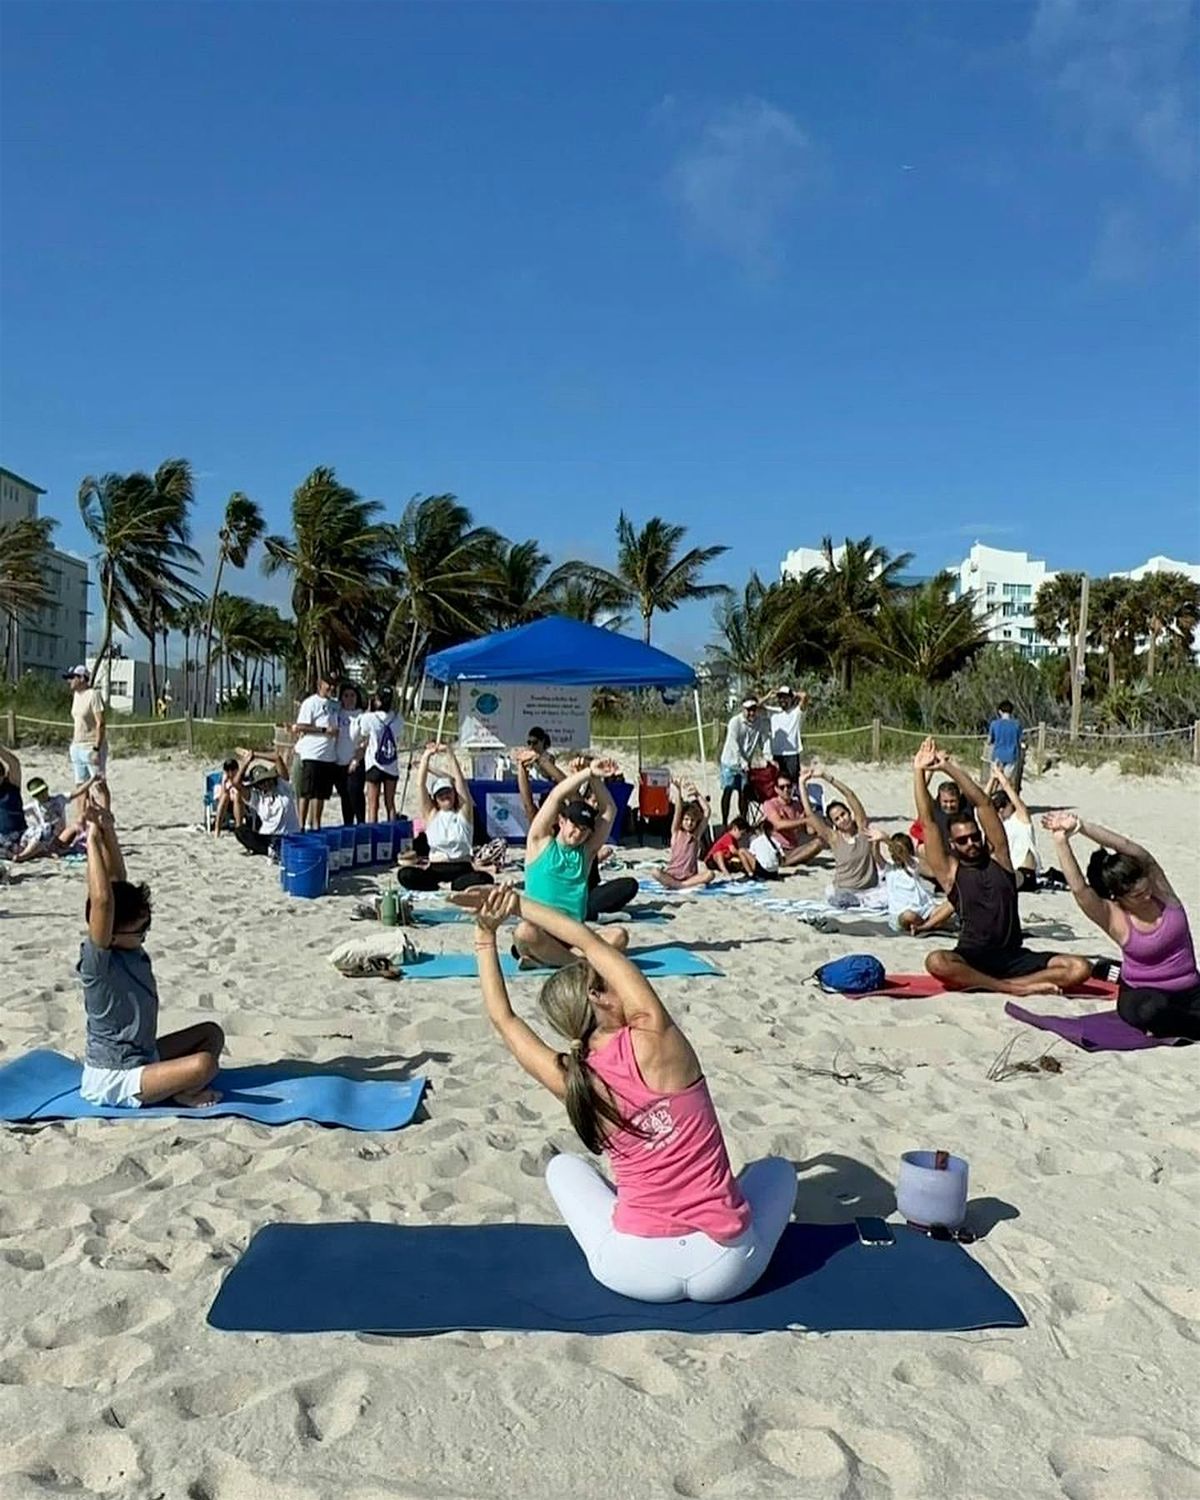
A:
[738, 179]
[1123, 70]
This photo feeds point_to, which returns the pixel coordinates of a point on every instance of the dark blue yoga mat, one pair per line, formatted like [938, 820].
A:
[393, 1278]
[45, 1086]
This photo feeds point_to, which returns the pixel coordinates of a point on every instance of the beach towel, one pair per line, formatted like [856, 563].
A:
[919, 986]
[45, 1086]
[395, 1278]
[665, 962]
[1102, 1031]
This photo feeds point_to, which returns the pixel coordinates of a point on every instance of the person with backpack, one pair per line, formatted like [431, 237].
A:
[380, 731]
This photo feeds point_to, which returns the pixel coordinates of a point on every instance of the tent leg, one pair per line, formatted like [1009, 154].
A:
[442, 713]
[703, 757]
[414, 741]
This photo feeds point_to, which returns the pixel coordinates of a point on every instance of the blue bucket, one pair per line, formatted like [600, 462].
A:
[382, 844]
[290, 848]
[364, 845]
[343, 855]
[401, 829]
[308, 875]
[332, 839]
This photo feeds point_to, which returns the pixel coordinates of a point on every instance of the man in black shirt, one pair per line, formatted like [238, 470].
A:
[976, 873]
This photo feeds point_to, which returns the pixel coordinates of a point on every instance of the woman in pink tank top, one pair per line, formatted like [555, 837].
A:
[1128, 896]
[678, 1224]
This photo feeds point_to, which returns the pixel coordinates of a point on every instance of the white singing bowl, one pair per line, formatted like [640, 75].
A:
[926, 1194]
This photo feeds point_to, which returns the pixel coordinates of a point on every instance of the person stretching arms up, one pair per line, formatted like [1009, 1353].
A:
[683, 870]
[976, 874]
[1127, 895]
[125, 1062]
[843, 829]
[678, 1226]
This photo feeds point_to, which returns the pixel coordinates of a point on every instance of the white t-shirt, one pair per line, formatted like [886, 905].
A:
[745, 740]
[347, 740]
[276, 810]
[785, 731]
[45, 820]
[905, 892]
[322, 713]
[384, 732]
[764, 852]
[449, 836]
[1022, 842]
[85, 709]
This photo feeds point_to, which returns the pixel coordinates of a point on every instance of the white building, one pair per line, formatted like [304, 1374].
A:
[125, 684]
[1161, 565]
[801, 560]
[1005, 585]
[53, 639]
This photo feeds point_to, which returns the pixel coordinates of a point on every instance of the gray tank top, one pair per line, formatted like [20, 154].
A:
[121, 1000]
[853, 863]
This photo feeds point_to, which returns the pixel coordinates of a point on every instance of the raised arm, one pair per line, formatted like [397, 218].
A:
[465, 805]
[1062, 825]
[1020, 811]
[524, 759]
[498, 903]
[1119, 844]
[676, 807]
[852, 800]
[100, 894]
[988, 817]
[424, 800]
[546, 822]
[606, 807]
[937, 856]
[816, 821]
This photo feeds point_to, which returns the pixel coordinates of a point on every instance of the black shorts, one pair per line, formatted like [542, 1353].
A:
[315, 779]
[1015, 963]
[377, 777]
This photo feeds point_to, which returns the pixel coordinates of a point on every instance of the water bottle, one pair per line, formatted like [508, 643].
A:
[388, 907]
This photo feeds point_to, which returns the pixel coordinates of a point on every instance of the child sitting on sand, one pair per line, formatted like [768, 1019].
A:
[740, 852]
[682, 871]
[47, 830]
[911, 906]
[230, 798]
[125, 1061]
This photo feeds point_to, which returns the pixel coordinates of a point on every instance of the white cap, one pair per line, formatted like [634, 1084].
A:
[750, 702]
[440, 784]
[784, 692]
[79, 671]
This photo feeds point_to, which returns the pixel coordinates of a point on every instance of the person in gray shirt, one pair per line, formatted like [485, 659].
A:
[125, 1061]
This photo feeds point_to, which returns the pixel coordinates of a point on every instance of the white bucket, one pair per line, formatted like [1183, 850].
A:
[927, 1194]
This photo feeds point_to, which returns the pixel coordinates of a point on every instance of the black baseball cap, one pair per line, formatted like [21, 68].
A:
[581, 813]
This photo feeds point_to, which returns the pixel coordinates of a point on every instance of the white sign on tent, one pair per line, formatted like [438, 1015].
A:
[495, 714]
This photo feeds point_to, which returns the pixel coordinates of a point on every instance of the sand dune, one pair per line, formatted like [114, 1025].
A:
[114, 1236]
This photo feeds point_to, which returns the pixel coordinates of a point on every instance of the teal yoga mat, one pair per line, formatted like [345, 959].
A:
[443, 916]
[45, 1086]
[667, 962]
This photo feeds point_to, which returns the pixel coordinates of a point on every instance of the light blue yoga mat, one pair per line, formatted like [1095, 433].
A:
[45, 1086]
[667, 962]
[441, 916]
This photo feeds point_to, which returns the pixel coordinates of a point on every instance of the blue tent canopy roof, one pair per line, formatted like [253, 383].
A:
[561, 651]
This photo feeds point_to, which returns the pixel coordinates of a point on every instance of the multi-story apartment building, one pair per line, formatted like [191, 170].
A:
[54, 639]
[1005, 584]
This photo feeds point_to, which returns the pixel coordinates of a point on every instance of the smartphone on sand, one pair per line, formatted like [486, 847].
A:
[874, 1232]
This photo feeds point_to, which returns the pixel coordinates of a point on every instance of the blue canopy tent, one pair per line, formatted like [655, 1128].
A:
[565, 653]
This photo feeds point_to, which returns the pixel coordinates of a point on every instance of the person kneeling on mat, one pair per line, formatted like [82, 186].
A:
[678, 1226]
[125, 1062]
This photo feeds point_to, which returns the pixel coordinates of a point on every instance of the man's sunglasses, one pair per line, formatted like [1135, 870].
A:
[966, 839]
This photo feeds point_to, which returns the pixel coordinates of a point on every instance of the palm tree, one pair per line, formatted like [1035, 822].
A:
[1111, 620]
[655, 577]
[339, 558]
[1165, 605]
[593, 596]
[856, 582]
[525, 587]
[754, 639]
[928, 631]
[189, 622]
[139, 523]
[1056, 607]
[24, 552]
[242, 526]
[448, 570]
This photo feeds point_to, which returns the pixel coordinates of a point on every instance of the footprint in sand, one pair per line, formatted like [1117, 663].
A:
[332, 1405]
[97, 1462]
[1081, 1299]
[111, 1318]
[1119, 1468]
[1183, 1304]
[987, 1366]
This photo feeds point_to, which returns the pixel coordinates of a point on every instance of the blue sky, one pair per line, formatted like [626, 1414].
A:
[925, 271]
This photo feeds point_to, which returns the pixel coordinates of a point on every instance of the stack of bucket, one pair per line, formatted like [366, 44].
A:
[308, 860]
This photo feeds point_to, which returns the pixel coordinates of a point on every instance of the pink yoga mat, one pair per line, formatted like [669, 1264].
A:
[918, 986]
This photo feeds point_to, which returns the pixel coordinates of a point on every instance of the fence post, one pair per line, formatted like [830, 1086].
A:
[11, 716]
[876, 740]
[191, 744]
[1196, 743]
[1041, 745]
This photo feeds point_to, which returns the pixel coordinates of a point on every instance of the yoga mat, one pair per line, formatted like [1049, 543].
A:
[393, 1278]
[917, 986]
[667, 962]
[443, 916]
[45, 1086]
[1102, 1031]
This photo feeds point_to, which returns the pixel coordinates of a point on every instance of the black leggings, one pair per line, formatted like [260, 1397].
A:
[459, 874]
[255, 842]
[610, 895]
[1161, 1012]
[351, 788]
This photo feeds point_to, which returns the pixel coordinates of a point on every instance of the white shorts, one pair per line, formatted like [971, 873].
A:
[119, 1087]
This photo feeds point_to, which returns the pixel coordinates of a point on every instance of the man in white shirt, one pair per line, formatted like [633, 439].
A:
[746, 738]
[270, 800]
[89, 735]
[316, 751]
[787, 723]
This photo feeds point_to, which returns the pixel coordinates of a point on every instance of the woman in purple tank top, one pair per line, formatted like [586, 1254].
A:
[678, 1225]
[1128, 896]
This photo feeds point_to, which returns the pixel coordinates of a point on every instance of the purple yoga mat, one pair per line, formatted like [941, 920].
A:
[1103, 1031]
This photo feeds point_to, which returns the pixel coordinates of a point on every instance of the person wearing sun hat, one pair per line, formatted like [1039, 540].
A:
[89, 734]
[270, 798]
[787, 723]
[47, 831]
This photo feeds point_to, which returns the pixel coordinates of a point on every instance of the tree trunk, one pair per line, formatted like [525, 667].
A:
[1112, 670]
[152, 643]
[408, 666]
[187, 672]
[106, 639]
[646, 627]
[208, 629]
[1153, 648]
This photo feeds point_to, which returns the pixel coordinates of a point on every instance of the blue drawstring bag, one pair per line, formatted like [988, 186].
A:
[856, 974]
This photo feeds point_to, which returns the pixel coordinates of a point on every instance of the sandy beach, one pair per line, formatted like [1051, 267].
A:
[114, 1237]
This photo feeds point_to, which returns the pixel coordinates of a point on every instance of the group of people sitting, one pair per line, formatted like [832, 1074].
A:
[46, 826]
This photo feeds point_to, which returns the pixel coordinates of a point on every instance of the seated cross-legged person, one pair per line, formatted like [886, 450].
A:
[678, 1226]
[912, 907]
[52, 825]
[683, 870]
[788, 825]
[443, 854]
[126, 1062]
[844, 828]
[977, 875]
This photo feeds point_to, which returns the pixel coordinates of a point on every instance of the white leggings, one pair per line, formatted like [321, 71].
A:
[673, 1268]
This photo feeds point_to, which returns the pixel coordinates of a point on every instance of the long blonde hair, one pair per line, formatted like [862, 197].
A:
[567, 1004]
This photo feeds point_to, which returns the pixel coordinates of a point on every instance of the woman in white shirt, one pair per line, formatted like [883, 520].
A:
[443, 852]
[349, 779]
[380, 731]
[1018, 830]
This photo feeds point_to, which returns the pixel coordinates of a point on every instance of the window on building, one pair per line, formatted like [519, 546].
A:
[991, 589]
[1024, 591]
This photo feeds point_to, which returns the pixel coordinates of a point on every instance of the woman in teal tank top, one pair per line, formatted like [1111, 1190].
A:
[564, 838]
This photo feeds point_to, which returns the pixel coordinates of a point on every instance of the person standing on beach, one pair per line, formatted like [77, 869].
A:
[678, 1226]
[787, 724]
[89, 734]
[1006, 745]
[747, 736]
[976, 873]
[316, 751]
[349, 777]
[1127, 896]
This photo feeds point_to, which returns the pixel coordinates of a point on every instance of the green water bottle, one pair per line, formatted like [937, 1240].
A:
[388, 907]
